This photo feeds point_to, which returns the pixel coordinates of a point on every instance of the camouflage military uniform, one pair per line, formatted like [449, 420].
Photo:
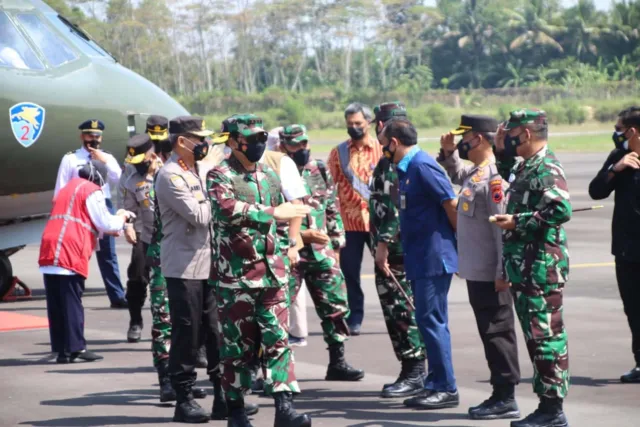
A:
[536, 261]
[250, 273]
[318, 265]
[385, 227]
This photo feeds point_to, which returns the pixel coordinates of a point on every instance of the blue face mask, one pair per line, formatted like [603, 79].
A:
[620, 141]
[511, 144]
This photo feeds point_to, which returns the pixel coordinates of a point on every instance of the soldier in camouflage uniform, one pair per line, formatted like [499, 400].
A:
[323, 235]
[386, 248]
[250, 271]
[535, 255]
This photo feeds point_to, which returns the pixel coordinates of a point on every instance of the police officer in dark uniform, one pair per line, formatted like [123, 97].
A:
[480, 256]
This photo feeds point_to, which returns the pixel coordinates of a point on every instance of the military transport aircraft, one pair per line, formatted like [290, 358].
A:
[53, 76]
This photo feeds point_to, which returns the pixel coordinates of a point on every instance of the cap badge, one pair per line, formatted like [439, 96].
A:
[157, 128]
[132, 151]
[94, 124]
[203, 125]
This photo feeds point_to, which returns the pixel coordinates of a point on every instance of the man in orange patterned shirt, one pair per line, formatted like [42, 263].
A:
[352, 163]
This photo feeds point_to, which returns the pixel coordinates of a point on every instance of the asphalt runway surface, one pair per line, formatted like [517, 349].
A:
[121, 390]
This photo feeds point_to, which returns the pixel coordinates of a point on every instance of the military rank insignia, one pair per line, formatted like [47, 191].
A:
[496, 190]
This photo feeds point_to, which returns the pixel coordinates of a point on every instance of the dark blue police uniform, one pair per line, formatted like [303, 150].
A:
[430, 258]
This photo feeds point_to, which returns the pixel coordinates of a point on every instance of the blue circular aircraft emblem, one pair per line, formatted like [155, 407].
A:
[27, 121]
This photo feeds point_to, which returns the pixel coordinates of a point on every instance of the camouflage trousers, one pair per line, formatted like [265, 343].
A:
[328, 290]
[161, 327]
[540, 313]
[400, 320]
[249, 317]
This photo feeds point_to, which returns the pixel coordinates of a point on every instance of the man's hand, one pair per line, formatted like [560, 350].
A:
[382, 253]
[130, 235]
[499, 139]
[629, 161]
[293, 256]
[314, 236]
[506, 222]
[97, 154]
[288, 210]
[502, 285]
[447, 143]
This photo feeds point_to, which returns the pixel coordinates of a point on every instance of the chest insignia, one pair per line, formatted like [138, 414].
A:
[465, 206]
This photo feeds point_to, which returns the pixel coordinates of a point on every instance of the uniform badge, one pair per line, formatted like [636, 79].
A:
[496, 191]
[177, 181]
[27, 122]
[480, 172]
[475, 178]
[466, 192]
[465, 206]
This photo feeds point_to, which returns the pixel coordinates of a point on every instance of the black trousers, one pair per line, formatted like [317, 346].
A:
[351, 265]
[496, 325]
[65, 312]
[628, 275]
[138, 280]
[193, 306]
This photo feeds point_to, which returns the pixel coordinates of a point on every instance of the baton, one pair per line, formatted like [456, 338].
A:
[406, 297]
[492, 218]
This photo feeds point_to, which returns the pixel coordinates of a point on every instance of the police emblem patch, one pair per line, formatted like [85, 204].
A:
[27, 122]
[465, 206]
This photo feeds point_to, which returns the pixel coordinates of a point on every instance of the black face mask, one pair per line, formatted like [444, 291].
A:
[511, 144]
[387, 152]
[93, 144]
[253, 152]
[143, 167]
[355, 133]
[301, 157]
[620, 141]
[464, 147]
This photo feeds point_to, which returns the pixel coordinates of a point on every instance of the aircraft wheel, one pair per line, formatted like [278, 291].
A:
[6, 274]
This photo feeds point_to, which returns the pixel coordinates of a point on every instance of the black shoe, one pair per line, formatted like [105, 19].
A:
[120, 304]
[542, 419]
[62, 358]
[190, 412]
[257, 385]
[286, 416]
[436, 400]
[410, 382]
[495, 409]
[134, 333]
[167, 393]
[339, 369]
[413, 402]
[354, 330]
[201, 361]
[85, 356]
[238, 414]
[633, 376]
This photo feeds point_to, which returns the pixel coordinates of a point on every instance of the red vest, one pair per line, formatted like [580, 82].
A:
[70, 237]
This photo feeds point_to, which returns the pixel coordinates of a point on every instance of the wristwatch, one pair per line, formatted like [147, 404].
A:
[611, 169]
[292, 242]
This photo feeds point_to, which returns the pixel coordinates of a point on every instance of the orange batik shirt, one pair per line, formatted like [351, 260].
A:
[354, 208]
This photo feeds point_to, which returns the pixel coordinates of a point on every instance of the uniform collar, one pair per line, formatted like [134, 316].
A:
[403, 165]
[178, 160]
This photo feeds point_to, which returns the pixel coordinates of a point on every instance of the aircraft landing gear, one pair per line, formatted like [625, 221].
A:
[11, 288]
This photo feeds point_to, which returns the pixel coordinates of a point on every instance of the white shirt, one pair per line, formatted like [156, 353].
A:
[71, 163]
[290, 180]
[101, 219]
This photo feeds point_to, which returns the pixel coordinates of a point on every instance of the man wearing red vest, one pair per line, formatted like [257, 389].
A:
[78, 218]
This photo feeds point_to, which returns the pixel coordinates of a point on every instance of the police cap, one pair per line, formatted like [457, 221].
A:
[92, 126]
[525, 117]
[476, 123]
[189, 124]
[389, 110]
[294, 135]
[137, 148]
[158, 128]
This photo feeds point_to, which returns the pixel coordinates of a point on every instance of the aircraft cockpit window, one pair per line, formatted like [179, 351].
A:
[78, 37]
[53, 47]
[15, 52]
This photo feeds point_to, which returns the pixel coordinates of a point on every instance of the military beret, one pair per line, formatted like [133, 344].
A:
[476, 123]
[245, 124]
[525, 117]
[91, 126]
[294, 134]
[389, 110]
[189, 124]
[137, 148]
[158, 127]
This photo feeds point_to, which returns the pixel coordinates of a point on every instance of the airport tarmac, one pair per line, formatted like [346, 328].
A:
[121, 390]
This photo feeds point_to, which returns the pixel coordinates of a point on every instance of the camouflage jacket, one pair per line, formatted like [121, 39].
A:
[153, 252]
[248, 249]
[325, 209]
[384, 220]
[535, 253]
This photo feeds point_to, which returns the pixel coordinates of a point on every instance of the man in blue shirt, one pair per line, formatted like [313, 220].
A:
[427, 231]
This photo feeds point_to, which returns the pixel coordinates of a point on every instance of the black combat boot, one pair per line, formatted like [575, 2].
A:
[220, 410]
[633, 376]
[500, 405]
[167, 393]
[187, 409]
[286, 416]
[410, 381]
[339, 369]
[238, 416]
[548, 414]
